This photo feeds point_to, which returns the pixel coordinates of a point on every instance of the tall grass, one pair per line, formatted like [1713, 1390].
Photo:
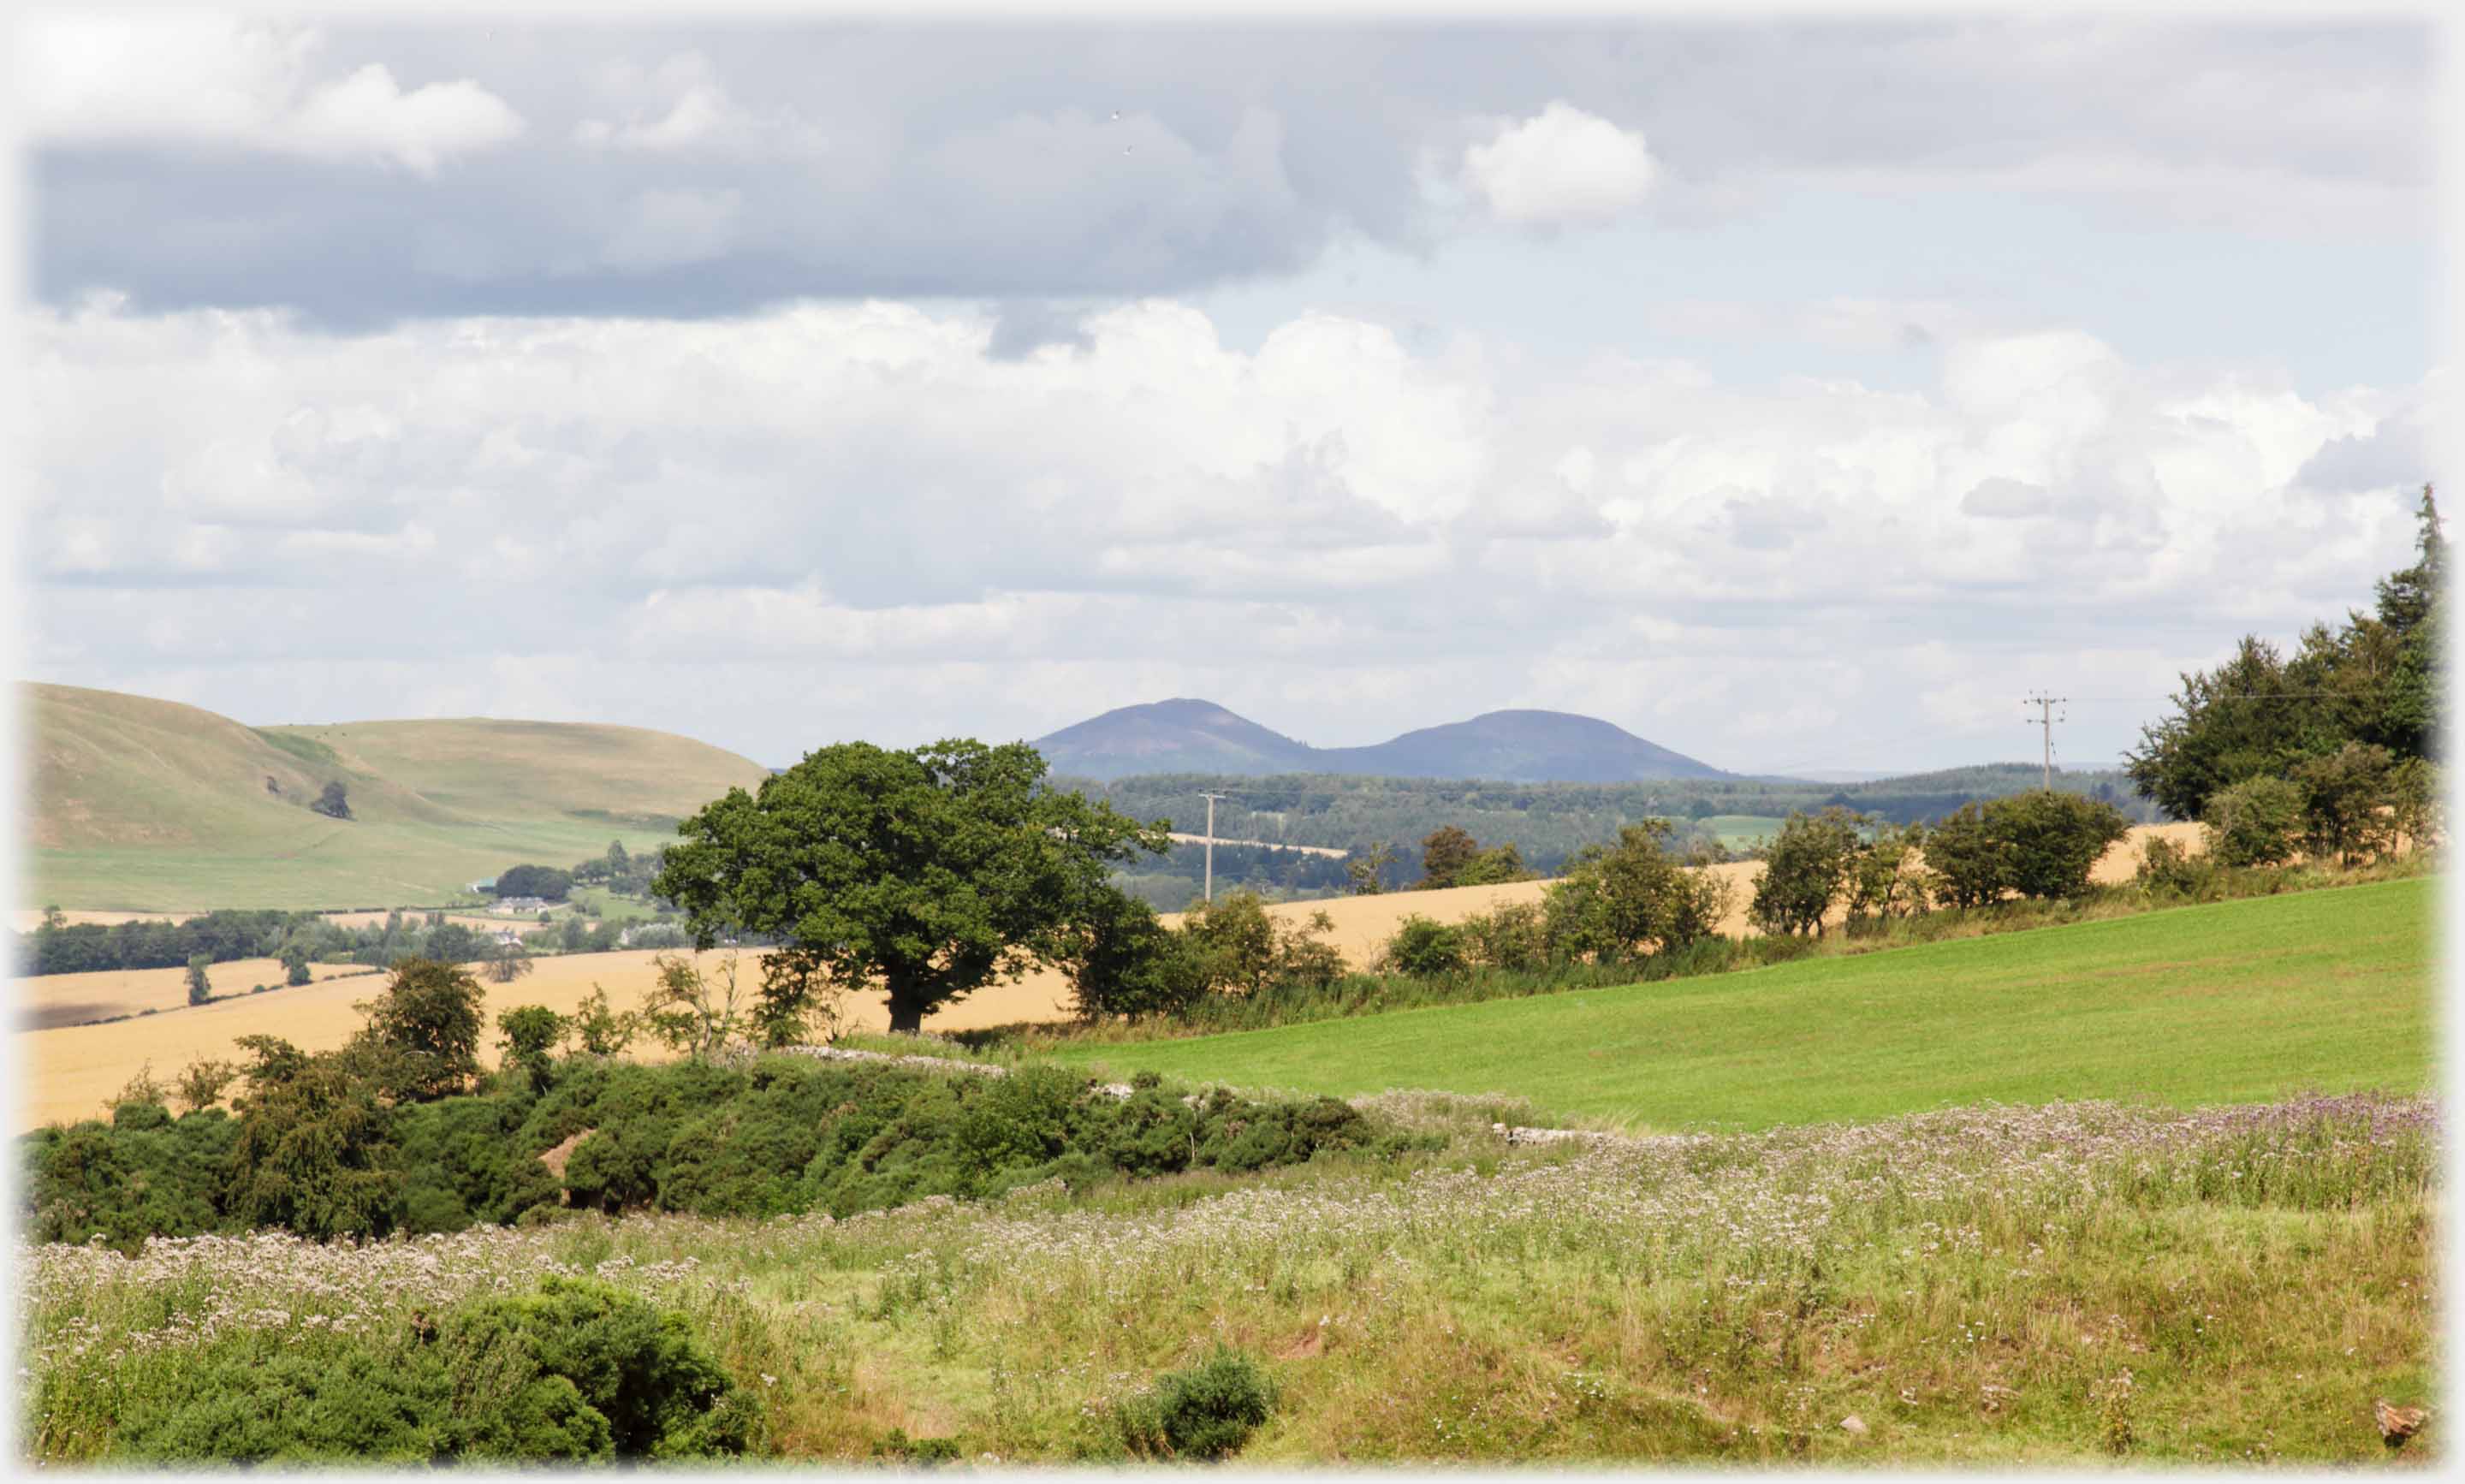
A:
[1993, 1284]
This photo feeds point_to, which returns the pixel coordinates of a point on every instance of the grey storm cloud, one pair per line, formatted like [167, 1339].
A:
[664, 173]
[2394, 452]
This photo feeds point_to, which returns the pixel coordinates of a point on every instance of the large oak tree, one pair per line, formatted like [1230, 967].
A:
[927, 873]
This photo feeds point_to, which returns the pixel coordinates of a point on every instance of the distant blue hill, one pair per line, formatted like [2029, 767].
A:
[1185, 736]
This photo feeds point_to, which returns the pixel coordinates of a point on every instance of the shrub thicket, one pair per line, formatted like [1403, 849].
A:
[1634, 898]
[1208, 1411]
[317, 1150]
[2256, 822]
[1426, 949]
[576, 1372]
[2052, 840]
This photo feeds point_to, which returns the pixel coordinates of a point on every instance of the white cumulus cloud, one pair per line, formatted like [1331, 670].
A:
[1562, 166]
[202, 80]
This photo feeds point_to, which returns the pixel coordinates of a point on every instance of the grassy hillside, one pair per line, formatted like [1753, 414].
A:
[141, 804]
[2243, 1001]
[481, 768]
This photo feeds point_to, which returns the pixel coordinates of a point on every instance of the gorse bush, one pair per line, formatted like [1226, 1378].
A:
[1208, 1411]
[317, 1152]
[576, 1372]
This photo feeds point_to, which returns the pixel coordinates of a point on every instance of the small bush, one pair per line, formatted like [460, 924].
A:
[1206, 1411]
[2256, 822]
[2166, 867]
[1514, 937]
[1426, 949]
[900, 1448]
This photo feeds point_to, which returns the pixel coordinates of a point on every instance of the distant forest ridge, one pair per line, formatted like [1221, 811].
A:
[1545, 822]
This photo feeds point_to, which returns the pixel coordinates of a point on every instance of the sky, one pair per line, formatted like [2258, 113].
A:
[1798, 395]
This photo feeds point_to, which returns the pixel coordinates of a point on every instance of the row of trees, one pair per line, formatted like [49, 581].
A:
[2041, 845]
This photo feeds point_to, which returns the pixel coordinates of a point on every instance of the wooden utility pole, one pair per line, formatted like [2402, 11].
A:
[1210, 799]
[2046, 720]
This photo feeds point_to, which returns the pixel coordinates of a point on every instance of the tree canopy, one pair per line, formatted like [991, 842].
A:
[927, 873]
[2373, 680]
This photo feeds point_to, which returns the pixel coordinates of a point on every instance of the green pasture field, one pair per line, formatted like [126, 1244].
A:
[2241, 1001]
[1737, 831]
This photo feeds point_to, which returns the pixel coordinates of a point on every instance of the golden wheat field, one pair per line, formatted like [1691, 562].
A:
[67, 1073]
[73, 999]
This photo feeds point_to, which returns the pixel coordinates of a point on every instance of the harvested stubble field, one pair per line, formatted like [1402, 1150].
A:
[2327, 989]
[69, 1071]
[2047, 1285]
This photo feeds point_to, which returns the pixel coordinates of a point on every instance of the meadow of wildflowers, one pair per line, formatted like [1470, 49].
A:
[1993, 1284]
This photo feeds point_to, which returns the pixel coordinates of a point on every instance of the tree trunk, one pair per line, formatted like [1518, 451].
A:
[907, 1006]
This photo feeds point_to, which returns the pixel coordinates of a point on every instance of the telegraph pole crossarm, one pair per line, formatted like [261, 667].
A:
[2045, 723]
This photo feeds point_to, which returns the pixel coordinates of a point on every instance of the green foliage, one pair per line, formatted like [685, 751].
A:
[596, 1029]
[2256, 822]
[295, 962]
[1806, 870]
[2052, 840]
[334, 802]
[426, 1026]
[796, 992]
[2349, 801]
[2372, 682]
[576, 1372]
[547, 883]
[201, 1084]
[315, 1149]
[142, 1090]
[1126, 963]
[1243, 949]
[1512, 936]
[125, 1180]
[1882, 885]
[1366, 871]
[580, 1369]
[2167, 867]
[1444, 855]
[698, 1014]
[2040, 845]
[532, 1033]
[932, 871]
[57, 948]
[1424, 949]
[1967, 862]
[1208, 1411]
[365, 1405]
[1493, 867]
[1633, 898]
